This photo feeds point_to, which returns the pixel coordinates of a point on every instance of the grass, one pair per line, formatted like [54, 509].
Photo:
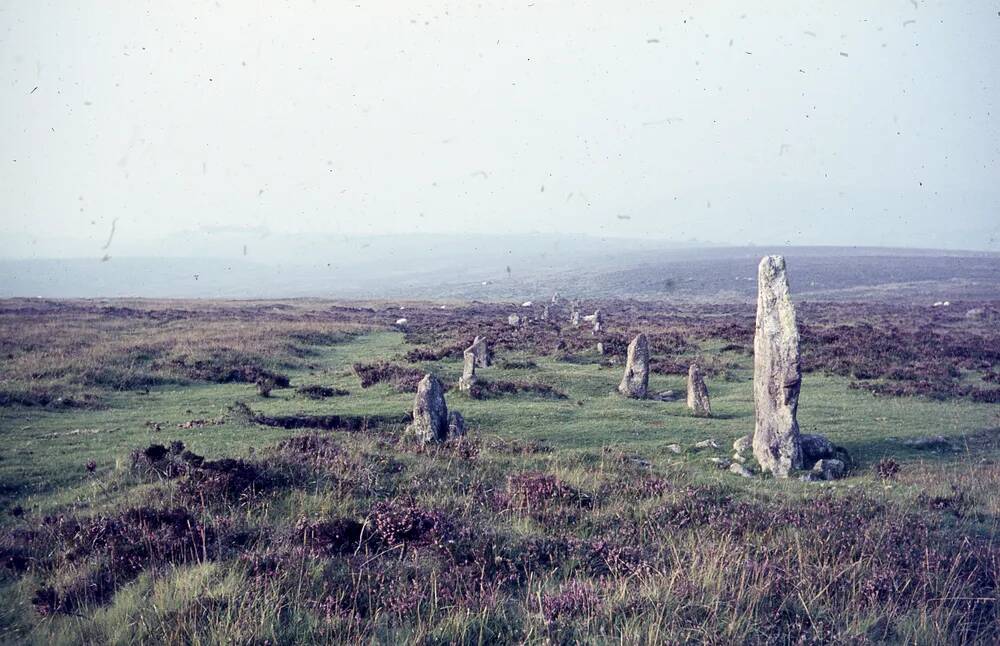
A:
[557, 521]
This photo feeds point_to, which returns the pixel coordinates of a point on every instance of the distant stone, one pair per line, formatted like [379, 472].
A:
[468, 378]
[600, 348]
[456, 425]
[635, 381]
[545, 313]
[830, 469]
[697, 395]
[598, 323]
[514, 320]
[674, 448]
[481, 349]
[740, 470]
[527, 304]
[975, 314]
[555, 298]
[777, 373]
[430, 413]
[574, 318]
[401, 321]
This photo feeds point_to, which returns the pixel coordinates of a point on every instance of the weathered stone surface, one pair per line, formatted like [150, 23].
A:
[574, 318]
[697, 396]
[721, 463]
[456, 425]
[600, 348]
[777, 373]
[707, 444]
[635, 381]
[830, 469]
[545, 313]
[743, 445]
[468, 378]
[514, 320]
[430, 413]
[666, 396]
[481, 349]
[740, 470]
[674, 448]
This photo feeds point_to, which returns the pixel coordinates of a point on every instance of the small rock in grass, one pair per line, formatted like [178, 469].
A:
[830, 469]
[707, 444]
[936, 443]
[722, 463]
[675, 448]
[740, 470]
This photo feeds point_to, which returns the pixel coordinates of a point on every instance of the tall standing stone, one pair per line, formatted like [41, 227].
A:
[430, 413]
[468, 378]
[777, 375]
[481, 349]
[698, 393]
[635, 382]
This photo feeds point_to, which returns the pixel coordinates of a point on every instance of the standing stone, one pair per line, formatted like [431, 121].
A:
[468, 378]
[777, 375]
[698, 393]
[555, 298]
[481, 349]
[598, 322]
[545, 313]
[636, 379]
[574, 318]
[514, 320]
[430, 413]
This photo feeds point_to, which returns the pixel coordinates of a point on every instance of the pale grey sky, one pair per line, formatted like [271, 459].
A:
[842, 122]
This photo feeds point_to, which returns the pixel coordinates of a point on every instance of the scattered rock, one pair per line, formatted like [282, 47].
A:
[697, 393]
[635, 381]
[830, 469]
[675, 448]
[707, 444]
[430, 413]
[777, 372]
[721, 463]
[740, 470]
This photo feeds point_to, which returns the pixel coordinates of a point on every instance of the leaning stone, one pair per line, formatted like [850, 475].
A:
[777, 373]
[830, 469]
[481, 349]
[697, 393]
[456, 425]
[430, 413]
[740, 470]
[635, 381]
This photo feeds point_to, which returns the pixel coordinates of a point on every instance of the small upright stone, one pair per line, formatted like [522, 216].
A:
[777, 375]
[598, 323]
[468, 378]
[555, 298]
[514, 320]
[545, 313]
[481, 349]
[698, 393]
[635, 381]
[430, 413]
[574, 318]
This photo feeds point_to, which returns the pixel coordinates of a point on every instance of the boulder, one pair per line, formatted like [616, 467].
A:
[430, 413]
[830, 469]
[815, 447]
[697, 393]
[635, 381]
[777, 373]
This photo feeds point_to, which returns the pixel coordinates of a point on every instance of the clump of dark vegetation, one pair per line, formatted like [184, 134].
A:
[483, 389]
[241, 411]
[401, 378]
[886, 469]
[517, 364]
[320, 392]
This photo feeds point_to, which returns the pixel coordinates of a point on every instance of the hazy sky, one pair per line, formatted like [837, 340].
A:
[841, 122]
